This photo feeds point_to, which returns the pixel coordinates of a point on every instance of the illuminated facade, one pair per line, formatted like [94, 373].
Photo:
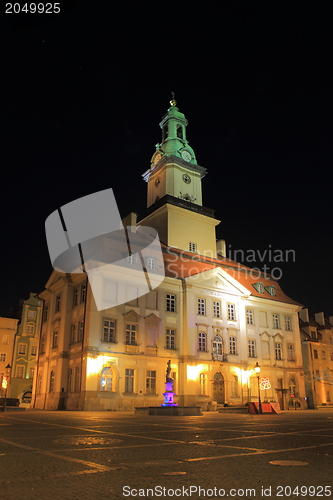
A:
[317, 347]
[214, 319]
[25, 349]
[8, 329]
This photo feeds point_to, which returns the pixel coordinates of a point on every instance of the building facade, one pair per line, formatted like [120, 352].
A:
[213, 318]
[8, 329]
[317, 348]
[25, 349]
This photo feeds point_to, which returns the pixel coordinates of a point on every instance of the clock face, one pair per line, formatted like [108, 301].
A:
[186, 155]
[186, 179]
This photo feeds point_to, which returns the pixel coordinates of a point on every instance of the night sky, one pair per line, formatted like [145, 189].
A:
[83, 93]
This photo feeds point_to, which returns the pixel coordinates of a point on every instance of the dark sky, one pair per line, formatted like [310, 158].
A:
[82, 95]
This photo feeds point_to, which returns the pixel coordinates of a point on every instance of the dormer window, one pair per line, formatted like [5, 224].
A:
[259, 287]
[271, 289]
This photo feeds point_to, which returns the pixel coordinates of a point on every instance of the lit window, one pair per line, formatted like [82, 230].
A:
[105, 383]
[33, 350]
[31, 314]
[109, 331]
[3, 356]
[192, 247]
[217, 309]
[22, 349]
[232, 345]
[259, 287]
[249, 317]
[151, 263]
[131, 334]
[271, 290]
[171, 302]
[30, 329]
[278, 350]
[202, 342]
[252, 348]
[202, 307]
[75, 297]
[276, 321]
[231, 312]
[129, 380]
[151, 382]
[170, 339]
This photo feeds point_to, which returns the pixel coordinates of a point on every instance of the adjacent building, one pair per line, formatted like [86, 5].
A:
[213, 318]
[317, 348]
[8, 329]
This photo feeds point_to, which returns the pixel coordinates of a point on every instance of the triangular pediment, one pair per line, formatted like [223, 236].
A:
[132, 316]
[220, 281]
[152, 319]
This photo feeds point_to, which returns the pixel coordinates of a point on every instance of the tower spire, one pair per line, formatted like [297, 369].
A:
[173, 101]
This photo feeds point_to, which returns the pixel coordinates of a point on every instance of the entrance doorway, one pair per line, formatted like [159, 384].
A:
[218, 388]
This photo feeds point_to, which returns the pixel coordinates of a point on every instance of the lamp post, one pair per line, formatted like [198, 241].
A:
[8, 368]
[257, 370]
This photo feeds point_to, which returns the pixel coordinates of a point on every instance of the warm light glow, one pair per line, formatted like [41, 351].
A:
[257, 368]
[95, 365]
[4, 382]
[245, 376]
[193, 371]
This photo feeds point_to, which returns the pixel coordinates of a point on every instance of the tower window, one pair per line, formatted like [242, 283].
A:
[165, 132]
[179, 131]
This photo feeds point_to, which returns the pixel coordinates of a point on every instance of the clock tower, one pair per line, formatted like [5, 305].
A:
[174, 195]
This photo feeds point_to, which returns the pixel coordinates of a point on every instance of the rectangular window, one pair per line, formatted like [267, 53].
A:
[287, 323]
[252, 348]
[3, 356]
[5, 339]
[315, 353]
[129, 380]
[171, 302]
[170, 339]
[276, 321]
[231, 312]
[291, 352]
[22, 349]
[70, 380]
[19, 371]
[83, 293]
[109, 331]
[75, 297]
[73, 334]
[202, 342]
[249, 316]
[33, 350]
[232, 345]
[202, 307]
[57, 303]
[151, 382]
[278, 350]
[217, 309]
[80, 332]
[55, 339]
[132, 259]
[131, 329]
[31, 314]
[42, 344]
[30, 329]
[192, 247]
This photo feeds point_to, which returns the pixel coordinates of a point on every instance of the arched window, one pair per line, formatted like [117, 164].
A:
[218, 345]
[105, 382]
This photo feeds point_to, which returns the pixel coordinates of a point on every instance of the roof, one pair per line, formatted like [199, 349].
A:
[183, 264]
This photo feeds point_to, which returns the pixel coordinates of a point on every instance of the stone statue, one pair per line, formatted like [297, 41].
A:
[168, 372]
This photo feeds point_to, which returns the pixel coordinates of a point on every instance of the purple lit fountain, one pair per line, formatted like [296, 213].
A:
[168, 394]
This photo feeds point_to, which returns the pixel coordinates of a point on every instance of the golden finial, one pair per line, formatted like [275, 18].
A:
[173, 102]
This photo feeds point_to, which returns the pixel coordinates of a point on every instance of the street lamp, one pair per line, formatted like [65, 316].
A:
[8, 368]
[257, 370]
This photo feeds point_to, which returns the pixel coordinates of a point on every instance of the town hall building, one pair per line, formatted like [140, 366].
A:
[214, 319]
